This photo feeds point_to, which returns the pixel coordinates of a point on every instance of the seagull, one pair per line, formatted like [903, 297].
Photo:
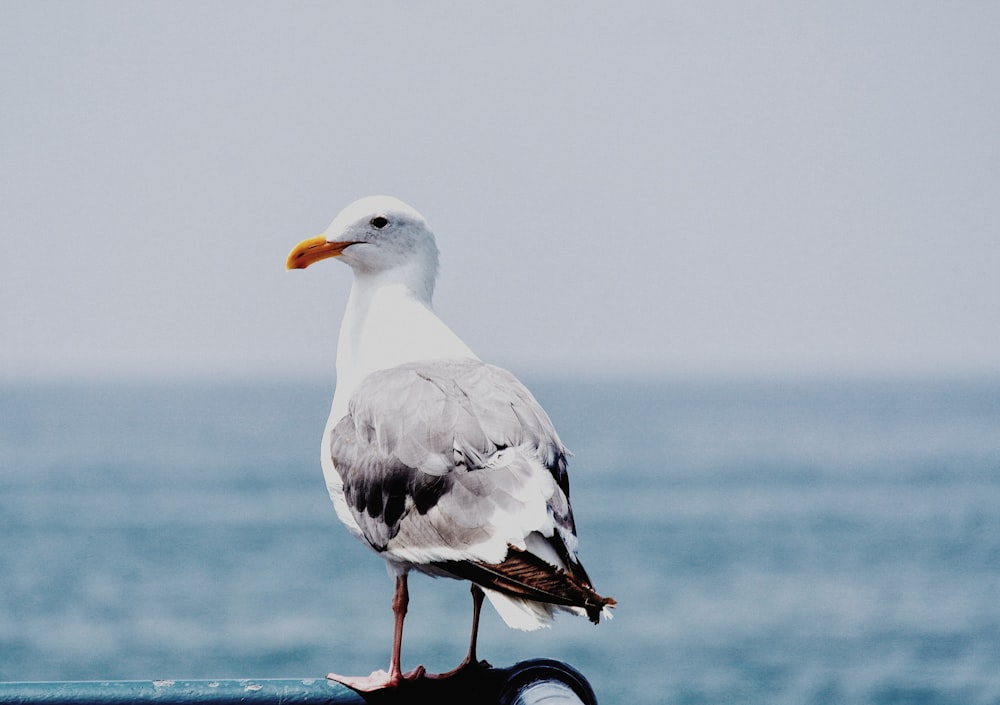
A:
[439, 462]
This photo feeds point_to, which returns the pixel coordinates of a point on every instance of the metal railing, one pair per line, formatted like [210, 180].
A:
[525, 683]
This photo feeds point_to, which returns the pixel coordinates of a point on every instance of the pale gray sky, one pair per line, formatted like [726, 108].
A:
[630, 187]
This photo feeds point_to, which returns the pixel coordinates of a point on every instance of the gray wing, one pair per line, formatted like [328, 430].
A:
[452, 460]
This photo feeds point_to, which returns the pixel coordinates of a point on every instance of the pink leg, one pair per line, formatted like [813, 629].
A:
[470, 658]
[382, 679]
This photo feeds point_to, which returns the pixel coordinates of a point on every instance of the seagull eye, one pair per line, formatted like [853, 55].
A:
[379, 222]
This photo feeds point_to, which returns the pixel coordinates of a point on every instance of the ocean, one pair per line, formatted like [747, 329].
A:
[768, 541]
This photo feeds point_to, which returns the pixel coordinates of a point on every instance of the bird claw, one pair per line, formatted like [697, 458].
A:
[365, 684]
[416, 674]
[377, 680]
[380, 679]
[461, 668]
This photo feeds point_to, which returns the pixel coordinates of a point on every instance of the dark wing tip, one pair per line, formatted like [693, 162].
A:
[594, 611]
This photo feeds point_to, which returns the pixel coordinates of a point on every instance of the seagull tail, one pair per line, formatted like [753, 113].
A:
[529, 580]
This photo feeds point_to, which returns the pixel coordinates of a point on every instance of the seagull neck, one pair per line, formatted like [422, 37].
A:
[387, 323]
[374, 296]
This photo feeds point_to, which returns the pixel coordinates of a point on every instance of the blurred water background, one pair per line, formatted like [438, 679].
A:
[769, 541]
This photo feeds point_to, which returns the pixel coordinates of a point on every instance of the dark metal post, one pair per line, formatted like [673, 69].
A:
[545, 680]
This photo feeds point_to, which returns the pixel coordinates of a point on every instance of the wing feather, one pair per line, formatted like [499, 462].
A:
[450, 460]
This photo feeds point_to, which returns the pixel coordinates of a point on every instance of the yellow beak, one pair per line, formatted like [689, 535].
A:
[313, 250]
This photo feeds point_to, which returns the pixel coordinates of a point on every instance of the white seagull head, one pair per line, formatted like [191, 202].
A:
[374, 235]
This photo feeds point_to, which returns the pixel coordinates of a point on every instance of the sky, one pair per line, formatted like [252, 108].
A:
[631, 188]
